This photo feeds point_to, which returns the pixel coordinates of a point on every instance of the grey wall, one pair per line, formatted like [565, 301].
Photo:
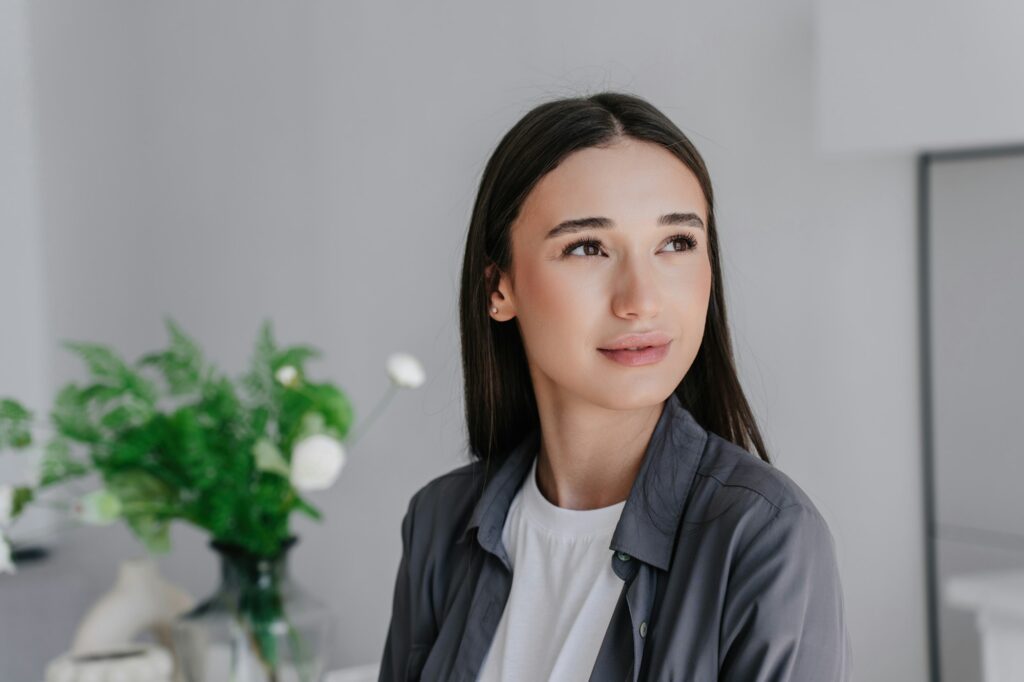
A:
[918, 74]
[316, 163]
[23, 355]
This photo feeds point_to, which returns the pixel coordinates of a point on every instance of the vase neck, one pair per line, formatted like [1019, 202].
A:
[239, 567]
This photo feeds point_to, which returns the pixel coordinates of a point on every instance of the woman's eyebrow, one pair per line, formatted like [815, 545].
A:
[579, 224]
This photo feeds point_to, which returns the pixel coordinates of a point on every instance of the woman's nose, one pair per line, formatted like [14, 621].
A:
[636, 292]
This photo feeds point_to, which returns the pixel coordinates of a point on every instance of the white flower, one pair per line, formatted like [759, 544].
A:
[287, 375]
[316, 462]
[405, 370]
[99, 507]
[6, 565]
[6, 504]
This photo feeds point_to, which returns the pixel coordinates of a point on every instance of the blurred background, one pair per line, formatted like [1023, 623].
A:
[315, 163]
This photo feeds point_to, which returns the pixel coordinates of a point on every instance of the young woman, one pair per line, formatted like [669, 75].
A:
[613, 523]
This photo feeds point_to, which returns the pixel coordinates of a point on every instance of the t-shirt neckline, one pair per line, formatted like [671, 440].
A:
[561, 521]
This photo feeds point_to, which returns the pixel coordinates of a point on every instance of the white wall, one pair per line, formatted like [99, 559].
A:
[316, 163]
[23, 368]
[919, 74]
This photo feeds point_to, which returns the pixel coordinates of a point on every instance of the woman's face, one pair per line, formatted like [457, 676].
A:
[641, 273]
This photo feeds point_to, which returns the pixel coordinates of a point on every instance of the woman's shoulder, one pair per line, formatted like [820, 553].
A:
[777, 558]
[731, 477]
[457, 481]
[444, 503]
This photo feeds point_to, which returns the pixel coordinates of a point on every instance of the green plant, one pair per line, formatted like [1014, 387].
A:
[172, 438]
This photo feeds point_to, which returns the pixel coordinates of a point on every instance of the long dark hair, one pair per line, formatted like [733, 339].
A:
[501, 408]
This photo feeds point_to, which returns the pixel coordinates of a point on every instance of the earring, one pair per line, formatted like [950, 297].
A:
[494, 309]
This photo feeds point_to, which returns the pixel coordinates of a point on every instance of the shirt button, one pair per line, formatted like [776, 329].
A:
[643, 629]
[623, 556]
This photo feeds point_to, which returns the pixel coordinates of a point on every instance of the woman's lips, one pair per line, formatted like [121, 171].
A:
[634, 358]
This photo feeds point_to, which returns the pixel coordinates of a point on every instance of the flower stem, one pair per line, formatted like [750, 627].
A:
[268, 666]
[298, 655]
[361, 427]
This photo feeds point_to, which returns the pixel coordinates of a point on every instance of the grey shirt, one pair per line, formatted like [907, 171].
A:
[728, 570]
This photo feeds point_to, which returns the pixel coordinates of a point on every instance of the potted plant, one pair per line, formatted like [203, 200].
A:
[171, 438]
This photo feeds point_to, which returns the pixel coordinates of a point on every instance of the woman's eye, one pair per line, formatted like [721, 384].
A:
[688, 241]
[581, 244]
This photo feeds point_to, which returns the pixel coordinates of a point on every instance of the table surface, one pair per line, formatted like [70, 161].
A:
[361, 673]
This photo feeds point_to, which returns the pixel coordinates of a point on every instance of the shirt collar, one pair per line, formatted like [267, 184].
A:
[647, 527]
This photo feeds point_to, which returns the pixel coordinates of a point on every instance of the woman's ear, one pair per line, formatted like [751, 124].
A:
[498, 303]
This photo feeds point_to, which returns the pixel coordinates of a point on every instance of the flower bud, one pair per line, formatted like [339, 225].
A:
[99, 508]
[405, 370]
[287, 375]
[316, 462]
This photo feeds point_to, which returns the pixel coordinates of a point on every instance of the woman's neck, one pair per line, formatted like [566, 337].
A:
[584, 467]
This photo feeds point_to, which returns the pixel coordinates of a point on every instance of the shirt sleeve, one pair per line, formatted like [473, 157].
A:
[398, 644]
[783, 617]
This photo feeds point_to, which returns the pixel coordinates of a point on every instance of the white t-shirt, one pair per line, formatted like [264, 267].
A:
[563, 589]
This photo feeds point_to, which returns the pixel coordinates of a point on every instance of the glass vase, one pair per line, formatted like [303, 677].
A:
[258, 626]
